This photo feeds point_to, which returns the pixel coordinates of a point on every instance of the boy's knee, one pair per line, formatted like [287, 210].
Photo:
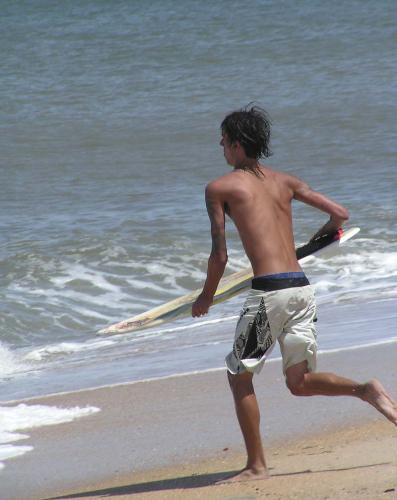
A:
[295, 378]
[296, 386]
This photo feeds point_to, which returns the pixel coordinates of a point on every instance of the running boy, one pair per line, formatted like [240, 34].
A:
[280, 306]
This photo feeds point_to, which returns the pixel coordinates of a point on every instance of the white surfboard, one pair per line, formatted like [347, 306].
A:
[228, 287]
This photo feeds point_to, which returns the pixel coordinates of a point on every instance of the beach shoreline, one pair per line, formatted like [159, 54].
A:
[356, 462]
[148, 429]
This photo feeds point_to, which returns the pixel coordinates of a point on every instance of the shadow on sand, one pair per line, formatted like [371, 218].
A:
[188, 482]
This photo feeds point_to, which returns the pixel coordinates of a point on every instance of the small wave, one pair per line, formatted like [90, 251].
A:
[69, 298]
[363, 270]
[10, 364]
[22, 416]
[63, 348]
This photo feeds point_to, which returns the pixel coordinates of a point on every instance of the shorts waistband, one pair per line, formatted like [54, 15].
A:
[271, 282]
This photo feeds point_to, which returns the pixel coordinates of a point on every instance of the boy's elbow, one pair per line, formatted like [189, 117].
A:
[223, 258]
[220, 258]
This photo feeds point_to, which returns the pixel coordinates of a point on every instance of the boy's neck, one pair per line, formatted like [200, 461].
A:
[247, 164]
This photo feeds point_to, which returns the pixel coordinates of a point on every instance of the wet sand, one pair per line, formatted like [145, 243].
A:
[173, 438]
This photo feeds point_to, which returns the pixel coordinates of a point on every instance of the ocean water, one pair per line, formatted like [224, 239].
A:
[109, 134]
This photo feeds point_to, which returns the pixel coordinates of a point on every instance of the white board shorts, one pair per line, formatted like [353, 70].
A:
[286, 313]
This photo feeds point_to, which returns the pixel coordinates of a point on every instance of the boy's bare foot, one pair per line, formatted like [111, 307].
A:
[376, 395]
[246, 475]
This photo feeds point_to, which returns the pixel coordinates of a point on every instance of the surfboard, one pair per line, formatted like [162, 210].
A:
[228, 287]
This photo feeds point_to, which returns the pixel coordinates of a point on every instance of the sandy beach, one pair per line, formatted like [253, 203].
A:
[173, 438]
[357, 462]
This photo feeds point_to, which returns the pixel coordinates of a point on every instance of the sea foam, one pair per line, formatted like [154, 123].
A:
[22, 416]
[9, 363]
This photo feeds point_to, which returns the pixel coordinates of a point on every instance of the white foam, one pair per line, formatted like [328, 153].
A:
[79, 272]
[9, 363]
[66, 348]
[362, 270]
[22, 416]
[366, 273]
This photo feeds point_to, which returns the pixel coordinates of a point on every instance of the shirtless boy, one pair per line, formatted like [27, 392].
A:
[280, 306]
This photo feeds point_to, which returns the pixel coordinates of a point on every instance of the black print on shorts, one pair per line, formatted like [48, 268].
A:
[243, 312]
[238, 346]
[258, 339]
[239, 343]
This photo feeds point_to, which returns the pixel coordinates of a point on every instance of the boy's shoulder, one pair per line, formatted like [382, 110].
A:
[220, 183]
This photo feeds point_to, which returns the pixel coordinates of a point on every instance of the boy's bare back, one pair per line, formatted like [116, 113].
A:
[260, 206]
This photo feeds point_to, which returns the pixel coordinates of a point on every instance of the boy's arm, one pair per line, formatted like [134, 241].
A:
[218, 257]
[338, 214]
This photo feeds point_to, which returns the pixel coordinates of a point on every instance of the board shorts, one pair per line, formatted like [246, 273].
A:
[278, 307]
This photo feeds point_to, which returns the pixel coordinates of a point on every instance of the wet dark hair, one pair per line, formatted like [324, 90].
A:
[250, 126]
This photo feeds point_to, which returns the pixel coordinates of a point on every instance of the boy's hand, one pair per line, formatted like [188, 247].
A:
[201, 305]
[329, 228]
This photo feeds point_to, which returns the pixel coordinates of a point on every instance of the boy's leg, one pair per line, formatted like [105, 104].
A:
[249, 419]
[301, 382]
